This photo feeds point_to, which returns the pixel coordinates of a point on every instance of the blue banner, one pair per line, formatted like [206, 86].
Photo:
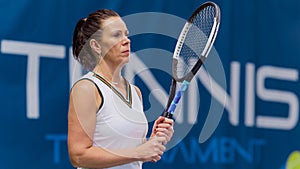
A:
[240, 112]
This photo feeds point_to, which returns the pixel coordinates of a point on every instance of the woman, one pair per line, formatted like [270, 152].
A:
[106, 124]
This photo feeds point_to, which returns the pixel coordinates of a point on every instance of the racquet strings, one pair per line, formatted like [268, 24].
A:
[195, 41]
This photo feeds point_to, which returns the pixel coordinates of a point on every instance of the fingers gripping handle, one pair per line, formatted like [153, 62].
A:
[169, 113]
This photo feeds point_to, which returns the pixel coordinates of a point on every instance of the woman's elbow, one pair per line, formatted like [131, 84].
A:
[76, 158]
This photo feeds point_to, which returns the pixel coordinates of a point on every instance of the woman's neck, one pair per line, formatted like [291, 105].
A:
[110, 73]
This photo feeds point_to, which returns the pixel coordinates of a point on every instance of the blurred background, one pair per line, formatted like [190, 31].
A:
[255, 67]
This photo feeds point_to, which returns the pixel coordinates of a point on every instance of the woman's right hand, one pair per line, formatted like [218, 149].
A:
[163, 127]
[151, 150]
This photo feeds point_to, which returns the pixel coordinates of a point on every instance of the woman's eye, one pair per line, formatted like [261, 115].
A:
[117, 35]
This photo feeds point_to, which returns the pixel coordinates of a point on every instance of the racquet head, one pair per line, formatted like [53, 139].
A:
[194, 44]
[195, 41]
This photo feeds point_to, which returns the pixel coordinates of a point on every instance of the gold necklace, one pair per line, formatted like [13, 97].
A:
[111, 82]
[104, 77]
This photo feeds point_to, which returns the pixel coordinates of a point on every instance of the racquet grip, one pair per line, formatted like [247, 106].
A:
[177, 97]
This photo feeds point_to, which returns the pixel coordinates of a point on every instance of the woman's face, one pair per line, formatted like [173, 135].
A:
[115, 45]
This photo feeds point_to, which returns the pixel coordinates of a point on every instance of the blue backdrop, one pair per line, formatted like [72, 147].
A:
[256, 68]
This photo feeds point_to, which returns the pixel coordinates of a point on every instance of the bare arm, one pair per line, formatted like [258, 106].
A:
[84, 101]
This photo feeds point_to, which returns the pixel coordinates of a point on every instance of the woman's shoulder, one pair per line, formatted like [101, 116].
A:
[84, 85]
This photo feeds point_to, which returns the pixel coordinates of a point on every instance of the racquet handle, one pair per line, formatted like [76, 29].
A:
[175, 101]
[168, 115]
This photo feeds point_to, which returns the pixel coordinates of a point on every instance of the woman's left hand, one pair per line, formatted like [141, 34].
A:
[163, 127]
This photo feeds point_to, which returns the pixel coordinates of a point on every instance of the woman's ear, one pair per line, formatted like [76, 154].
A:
[95, 46]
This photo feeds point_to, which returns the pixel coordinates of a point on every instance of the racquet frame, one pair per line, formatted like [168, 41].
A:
[174, 96]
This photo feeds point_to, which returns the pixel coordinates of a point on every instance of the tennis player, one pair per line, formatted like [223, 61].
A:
[107, 127]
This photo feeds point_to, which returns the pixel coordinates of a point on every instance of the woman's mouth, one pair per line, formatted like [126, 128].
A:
[126, 52]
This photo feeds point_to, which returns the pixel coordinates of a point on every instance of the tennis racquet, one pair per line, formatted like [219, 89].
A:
[192, 48]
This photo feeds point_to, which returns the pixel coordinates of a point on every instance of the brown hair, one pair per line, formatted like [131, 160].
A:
[85, 29]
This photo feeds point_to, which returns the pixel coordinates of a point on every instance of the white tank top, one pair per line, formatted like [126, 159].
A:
[120, 121]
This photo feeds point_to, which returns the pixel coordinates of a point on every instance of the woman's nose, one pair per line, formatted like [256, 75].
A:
[126, 40]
